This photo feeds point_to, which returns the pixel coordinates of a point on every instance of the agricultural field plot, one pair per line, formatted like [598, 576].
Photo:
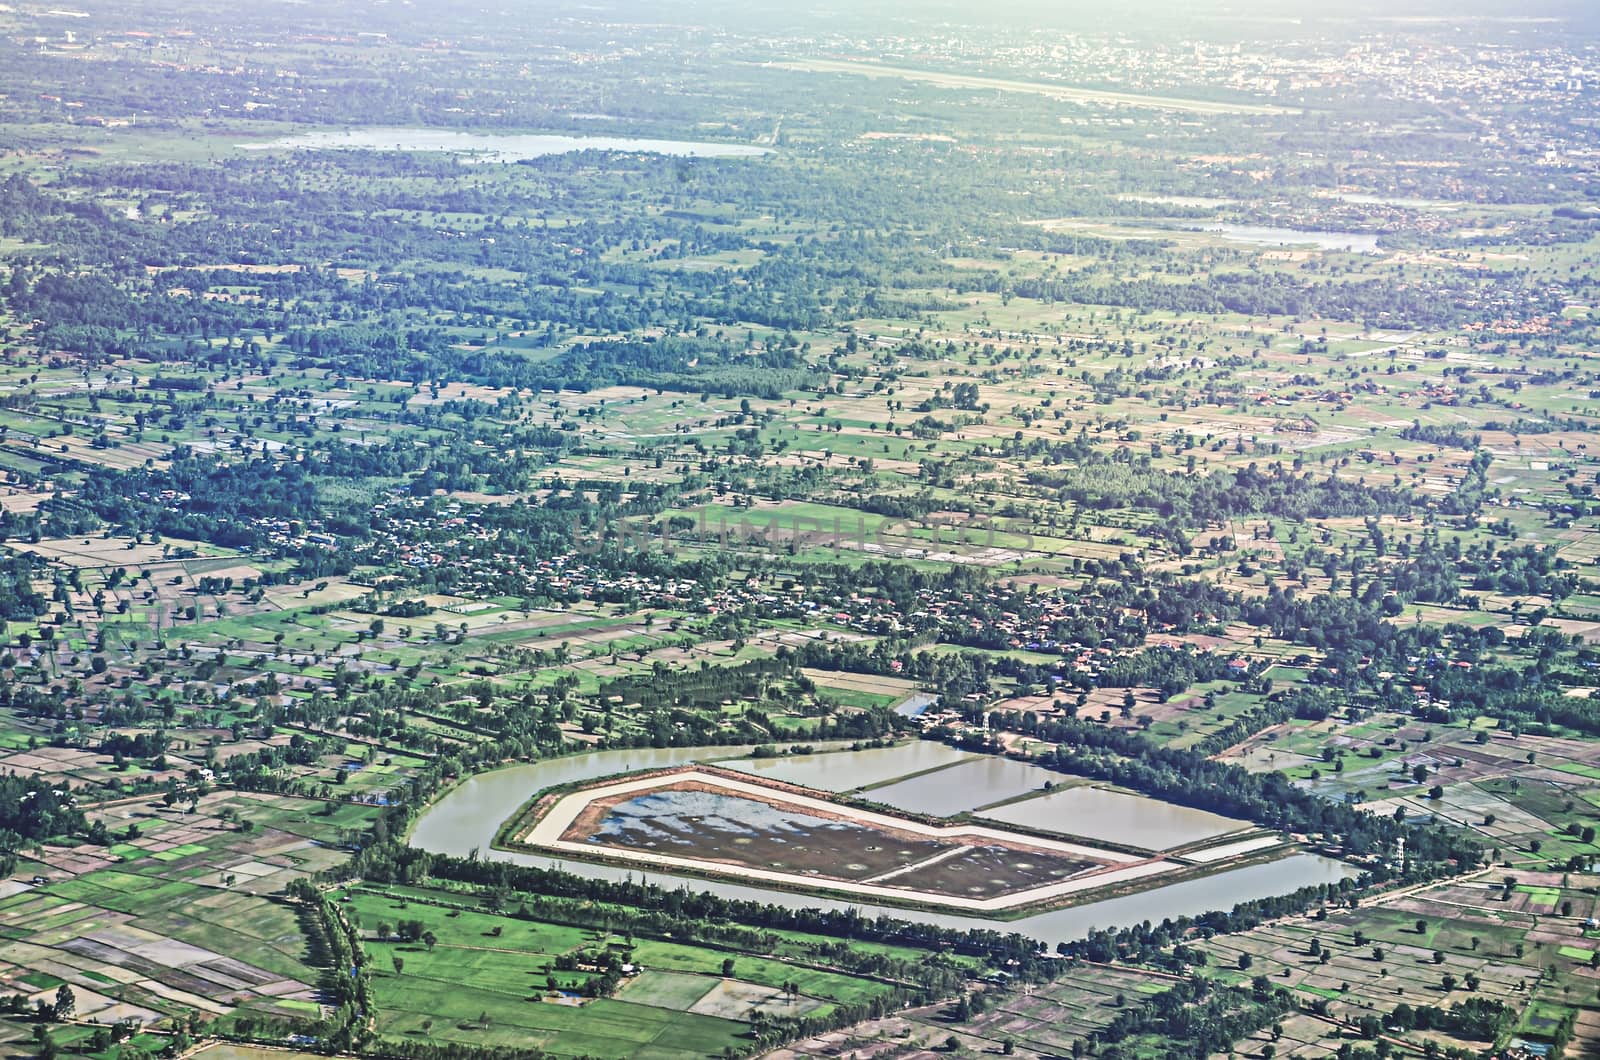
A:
[806, 974]
[485, 978]
[1049, 1018]
[128, 942]
[861, 690]
[1532, 799]
[173, 916]
[1034, 1021]
[674, 990]
[78, 766]
[602, 1028]
[715, 996]
[1522, 946]
[730, 999]
[263, 840]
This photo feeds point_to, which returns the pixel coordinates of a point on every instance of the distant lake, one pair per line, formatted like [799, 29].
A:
[496, 147]
[1442, 206]
[1356, 242]
[1193, 202]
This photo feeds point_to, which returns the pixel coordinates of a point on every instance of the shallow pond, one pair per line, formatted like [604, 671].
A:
[680, 815]
[497, 147]
[1096, 813]
[849, 770]
[966, 786]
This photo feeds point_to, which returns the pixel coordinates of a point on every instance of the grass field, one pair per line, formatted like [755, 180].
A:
[499, 980]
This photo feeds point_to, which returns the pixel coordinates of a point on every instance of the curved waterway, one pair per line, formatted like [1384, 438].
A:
[468, 816]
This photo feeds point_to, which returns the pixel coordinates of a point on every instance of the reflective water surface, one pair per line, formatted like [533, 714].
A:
[1096, 813]
[986, 780]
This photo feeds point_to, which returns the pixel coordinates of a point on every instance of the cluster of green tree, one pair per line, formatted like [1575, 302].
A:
[1447, 300]
[33, 808]
[116, 312]
[438, 1049]
[193, 384]
[522, 725]
[1194, 1019]
[529, 723]
[33, 702]
[1473, 490]
[201, 499]
[679, 727]
[1168, 670]
[879, 250]
[956, 676]
[62, 1008]
[1435, 434]
[706, 686]
[274, 505]
[1352, 627]
[267, 769]
[19, 600]
[135, 745]
[1438, 571]
[1384, 1049]
[1546, 424]
[1303, 704]
[1121, 480]
[1530, 570]
[1481, 1019]
[1524, 692]
[965, 607]
[335, 947]
[402, 609]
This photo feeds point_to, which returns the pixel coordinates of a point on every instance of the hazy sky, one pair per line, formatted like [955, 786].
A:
[1134, 16]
